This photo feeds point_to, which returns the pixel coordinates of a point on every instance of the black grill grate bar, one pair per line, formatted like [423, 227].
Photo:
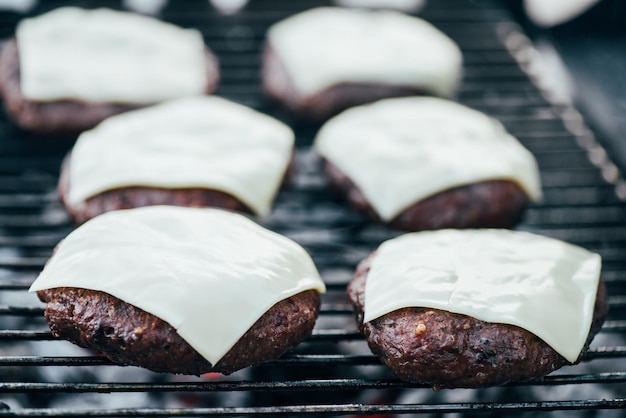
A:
[23, 263]
[19, 335]
[20, 311]
[334, 409]
[313, 384]
[45, 241]
[24, 200]
[16, 285]
[614, 326]
[288, 360]
[471, 72]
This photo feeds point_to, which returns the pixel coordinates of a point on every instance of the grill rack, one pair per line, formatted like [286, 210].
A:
[332, 373]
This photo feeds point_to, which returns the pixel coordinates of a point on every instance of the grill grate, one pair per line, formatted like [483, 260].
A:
[332, 373]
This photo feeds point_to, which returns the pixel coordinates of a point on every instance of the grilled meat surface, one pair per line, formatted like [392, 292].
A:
[488, 204]
[130, 336]
[448, 350]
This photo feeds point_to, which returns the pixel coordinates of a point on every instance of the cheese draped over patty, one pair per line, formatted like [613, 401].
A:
[104, 55]
[541, 284]
[326, 46]
[400, 151]
[202, 141]
[208, 273]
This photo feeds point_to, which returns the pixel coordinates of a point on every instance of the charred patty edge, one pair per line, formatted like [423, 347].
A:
[486, 204]
[65, 117]
[448, 350]
[128, 335]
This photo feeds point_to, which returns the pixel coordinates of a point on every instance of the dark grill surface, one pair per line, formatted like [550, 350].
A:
[333, 373]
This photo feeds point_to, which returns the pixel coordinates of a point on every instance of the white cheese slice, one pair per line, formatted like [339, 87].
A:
[554, 12]
[209, 273]
[104, 55]
[543, 285]
[400, 151]
[202, 141]
[329, 45]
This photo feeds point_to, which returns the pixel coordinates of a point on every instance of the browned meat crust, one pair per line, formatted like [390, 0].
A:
[64, 116]
[130, 336]
[488, 204]
[140, 196]
[326, 103]
[448, 350]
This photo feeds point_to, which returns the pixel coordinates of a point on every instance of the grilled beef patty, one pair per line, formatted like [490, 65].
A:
[487, 204]
[325, 103]
[63, 116]
[140, 196]
[130, 336]
[447, 350]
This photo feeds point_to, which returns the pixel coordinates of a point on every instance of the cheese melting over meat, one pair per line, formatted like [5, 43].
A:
[326, 46]
[104, 55]
[209, 273]
[403, 150]
[202, 141]
[543, 285]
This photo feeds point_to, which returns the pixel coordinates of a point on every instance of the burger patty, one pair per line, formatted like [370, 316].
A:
[63, 116]
[140, 196]
[486, 204]
[128, 335]
[328, 102]
[448, 350]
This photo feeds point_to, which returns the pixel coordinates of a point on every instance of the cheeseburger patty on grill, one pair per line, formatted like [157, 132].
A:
[180, 290]
[327, 59]
[424, 163]
[487, 204]
[202, 151]
[329, 101]
[64, 116]
[449, 350]
[130, 336]
[140, 196]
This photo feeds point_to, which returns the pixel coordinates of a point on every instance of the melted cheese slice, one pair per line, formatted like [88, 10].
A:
[326, 46]
[400, 151]
[543, 285]
[203, 141]
[209, 273]
[108, 56]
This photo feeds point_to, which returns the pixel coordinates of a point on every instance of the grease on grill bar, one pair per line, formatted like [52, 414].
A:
[333, 373]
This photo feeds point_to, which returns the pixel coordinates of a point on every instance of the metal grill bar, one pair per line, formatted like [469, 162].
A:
[335, 384]
[293, 359]
[336, 410]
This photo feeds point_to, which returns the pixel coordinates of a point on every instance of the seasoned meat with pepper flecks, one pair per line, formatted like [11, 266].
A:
[448, 350]
[130, 336]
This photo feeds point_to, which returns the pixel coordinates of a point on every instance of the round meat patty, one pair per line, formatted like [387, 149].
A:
[140, 196]
[327, 59]
[130, 336]
[328, 102]
[448, 350]
[488, 204]
[64, 116]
